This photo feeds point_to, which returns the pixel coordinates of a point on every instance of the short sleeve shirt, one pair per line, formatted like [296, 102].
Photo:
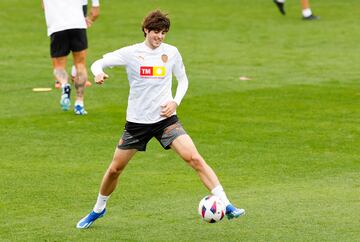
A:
[63, 14]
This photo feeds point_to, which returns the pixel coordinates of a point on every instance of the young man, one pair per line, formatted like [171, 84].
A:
[66, 27]
[305, 5]
[151, 110]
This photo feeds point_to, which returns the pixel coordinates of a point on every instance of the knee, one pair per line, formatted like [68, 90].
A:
[115, 171]
[195, 161]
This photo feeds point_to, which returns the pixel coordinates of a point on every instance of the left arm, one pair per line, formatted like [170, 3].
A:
[179, 71]
[94, 12]
[170, 107]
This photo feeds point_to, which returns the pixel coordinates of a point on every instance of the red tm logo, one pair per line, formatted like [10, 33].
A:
[146, 70]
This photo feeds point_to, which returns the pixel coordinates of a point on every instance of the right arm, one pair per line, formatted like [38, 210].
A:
[97, 69]
[116, 58]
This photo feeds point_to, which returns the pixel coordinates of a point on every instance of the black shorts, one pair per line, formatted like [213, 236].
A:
[136, 136]
[63, 42]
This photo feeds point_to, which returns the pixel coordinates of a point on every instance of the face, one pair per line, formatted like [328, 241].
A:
[154, 38]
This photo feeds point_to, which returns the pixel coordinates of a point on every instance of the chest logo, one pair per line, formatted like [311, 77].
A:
[164, 58]
[149, 71]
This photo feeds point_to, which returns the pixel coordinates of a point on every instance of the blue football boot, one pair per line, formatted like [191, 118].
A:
[89, 219]
[233, 212]
[79, 110]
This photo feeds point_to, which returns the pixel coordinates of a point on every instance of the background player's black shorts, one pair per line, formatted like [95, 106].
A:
[136, 136]
[63, 42]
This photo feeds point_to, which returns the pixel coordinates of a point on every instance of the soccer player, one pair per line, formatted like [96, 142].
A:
[305, 5]
[151, 111]
[94, 14]
[66, 27]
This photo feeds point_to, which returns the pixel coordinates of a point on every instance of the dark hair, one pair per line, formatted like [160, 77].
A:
[156, 20]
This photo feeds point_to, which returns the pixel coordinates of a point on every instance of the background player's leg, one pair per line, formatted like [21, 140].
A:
[306, 11]
[305, 4]
[80, 80]
[59, 66]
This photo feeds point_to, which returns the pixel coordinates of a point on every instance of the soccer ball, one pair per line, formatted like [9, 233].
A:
[211, 209]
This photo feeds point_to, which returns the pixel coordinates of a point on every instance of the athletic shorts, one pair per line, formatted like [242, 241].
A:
[136, 136]
[64, 41]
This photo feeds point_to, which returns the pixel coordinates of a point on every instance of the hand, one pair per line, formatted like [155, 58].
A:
[168, 109]
[94, 14]
[89, 22]
[99, 79]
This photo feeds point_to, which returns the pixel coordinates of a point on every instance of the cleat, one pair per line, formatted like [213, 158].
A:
[65, 102]
[89, 219]
[79, 110]
[280, 7]
[57, 84]
[233, 212]
[65, 98]
[311, 17]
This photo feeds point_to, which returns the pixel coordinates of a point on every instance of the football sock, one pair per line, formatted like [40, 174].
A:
[306, 12]
[81, 103]
[100, 203]
[219, 192]
[63, 85]
[73, 71]
[280, 1]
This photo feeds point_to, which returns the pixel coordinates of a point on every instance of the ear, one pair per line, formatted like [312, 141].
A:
[146, 31]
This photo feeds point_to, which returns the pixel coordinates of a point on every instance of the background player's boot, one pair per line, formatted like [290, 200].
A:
[280, 6]
[311, 17]
[89, 219]
[79, 110]
[233, 212]
[65, 98]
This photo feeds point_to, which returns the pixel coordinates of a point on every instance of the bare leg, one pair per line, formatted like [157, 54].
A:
[120, 160]
[108, 185]
[305, 4]
[185, 148]
[59, 65]
[81, 74]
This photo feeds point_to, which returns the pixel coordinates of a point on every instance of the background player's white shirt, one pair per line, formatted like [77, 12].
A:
[63, 14]
[95, 3]
[149, 73]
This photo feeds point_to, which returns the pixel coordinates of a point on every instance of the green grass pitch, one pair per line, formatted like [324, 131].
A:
[284, 144]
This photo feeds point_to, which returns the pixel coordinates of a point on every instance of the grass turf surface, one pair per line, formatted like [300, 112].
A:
[285, 144]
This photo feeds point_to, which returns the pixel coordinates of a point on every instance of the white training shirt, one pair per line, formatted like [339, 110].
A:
[63, 14]
[149, 73]
[95, 3]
